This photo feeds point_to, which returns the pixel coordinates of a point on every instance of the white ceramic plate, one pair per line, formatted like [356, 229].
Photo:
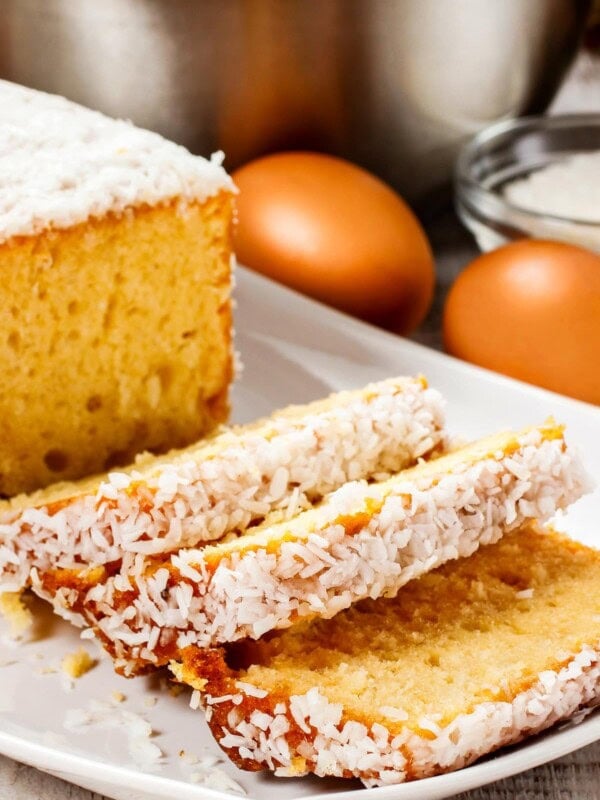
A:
[293, 350]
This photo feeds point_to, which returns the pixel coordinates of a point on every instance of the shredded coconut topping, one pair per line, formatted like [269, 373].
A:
[240, 478]
[62, 163]
[525, 594]
[333, 745]
[421, 524]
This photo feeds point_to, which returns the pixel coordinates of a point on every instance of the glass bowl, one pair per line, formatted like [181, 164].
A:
[513, 150]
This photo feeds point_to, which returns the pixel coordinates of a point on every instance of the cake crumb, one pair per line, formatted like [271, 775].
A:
[183, 676]
[117, 697]
[47, 670]
[150, 701]
[78, 663]
[188, 758]
[16, 613]
[175, 689]
[297, 766]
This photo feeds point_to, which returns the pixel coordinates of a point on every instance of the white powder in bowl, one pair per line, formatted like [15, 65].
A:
[569, 189]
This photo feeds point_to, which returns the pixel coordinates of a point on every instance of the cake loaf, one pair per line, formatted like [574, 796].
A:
[115, 251]
[224, 484]
[473, 656]
[364, 540]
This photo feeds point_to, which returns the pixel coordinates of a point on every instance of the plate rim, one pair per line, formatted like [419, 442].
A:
[347, 321]
[67, 766]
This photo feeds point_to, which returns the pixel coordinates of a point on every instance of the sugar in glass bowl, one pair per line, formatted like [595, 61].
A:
[532, 177]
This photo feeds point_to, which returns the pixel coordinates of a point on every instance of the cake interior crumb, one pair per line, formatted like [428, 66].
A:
[14, 610]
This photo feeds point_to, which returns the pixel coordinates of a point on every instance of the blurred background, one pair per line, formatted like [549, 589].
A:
[393, 85]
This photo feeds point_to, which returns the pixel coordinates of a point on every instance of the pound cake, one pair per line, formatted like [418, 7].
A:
[364, 540]
[224, 484]
[476, 655]
[115, 253]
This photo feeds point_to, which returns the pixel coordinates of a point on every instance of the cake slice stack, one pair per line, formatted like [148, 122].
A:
[473, 656]
[364, 540]
[416, 615]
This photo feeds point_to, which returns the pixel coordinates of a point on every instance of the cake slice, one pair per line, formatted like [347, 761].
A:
[362, 541]
[115, 254]
[476, 655]
[281, 464]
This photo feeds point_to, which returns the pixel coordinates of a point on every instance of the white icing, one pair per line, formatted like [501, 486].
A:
[61, 163]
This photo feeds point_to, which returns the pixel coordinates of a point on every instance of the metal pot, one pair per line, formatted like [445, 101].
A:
[395, 85]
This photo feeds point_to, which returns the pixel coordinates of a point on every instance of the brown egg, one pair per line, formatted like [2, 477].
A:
[531, 310]
[337, 233]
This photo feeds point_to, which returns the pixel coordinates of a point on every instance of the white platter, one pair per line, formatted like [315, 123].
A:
[293, 350]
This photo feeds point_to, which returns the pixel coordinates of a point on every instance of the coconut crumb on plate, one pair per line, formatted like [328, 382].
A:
[143, 752]
[215, 778]
[188, 758]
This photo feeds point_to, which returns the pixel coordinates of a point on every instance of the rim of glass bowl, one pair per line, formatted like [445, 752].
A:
[486, 205]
